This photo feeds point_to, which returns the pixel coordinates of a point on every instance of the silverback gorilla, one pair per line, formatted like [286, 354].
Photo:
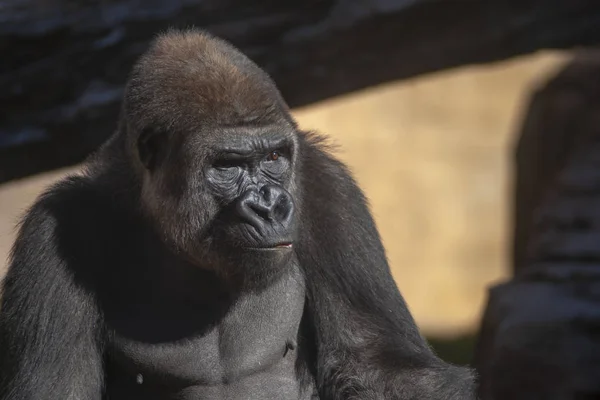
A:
[209, 250]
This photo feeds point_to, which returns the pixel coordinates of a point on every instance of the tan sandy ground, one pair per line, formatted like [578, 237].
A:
[433, 156]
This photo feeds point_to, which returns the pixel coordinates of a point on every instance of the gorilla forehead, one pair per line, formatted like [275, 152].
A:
[191, 80]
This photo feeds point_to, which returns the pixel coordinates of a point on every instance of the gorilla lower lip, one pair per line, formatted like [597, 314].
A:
[281, 246]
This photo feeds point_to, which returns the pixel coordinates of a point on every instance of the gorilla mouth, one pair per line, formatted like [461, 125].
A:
[278, 246]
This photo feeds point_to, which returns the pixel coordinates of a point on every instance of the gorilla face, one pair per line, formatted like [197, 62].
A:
[250, 179]
[224, 204]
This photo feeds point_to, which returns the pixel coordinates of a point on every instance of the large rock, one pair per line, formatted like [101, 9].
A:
[541, 339]
[540, 335]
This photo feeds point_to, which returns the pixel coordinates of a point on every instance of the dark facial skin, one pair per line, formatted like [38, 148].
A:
[251, 179]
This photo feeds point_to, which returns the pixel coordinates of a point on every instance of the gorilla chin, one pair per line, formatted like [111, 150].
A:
[254, 257]
[265, 263]
[252, 269]
[265, 256]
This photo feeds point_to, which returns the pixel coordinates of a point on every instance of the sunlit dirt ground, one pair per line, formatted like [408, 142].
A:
[433, 155]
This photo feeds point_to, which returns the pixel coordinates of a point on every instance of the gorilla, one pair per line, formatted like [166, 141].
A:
[210, 249]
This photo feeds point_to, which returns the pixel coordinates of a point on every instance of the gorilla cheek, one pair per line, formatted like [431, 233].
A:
[182, 218]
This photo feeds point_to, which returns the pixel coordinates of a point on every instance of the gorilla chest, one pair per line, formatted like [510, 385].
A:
[166, 350]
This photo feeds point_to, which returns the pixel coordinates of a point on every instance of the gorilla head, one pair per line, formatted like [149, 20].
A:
[215, 150]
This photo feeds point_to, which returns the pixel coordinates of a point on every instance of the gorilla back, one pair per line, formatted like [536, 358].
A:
[209, 250]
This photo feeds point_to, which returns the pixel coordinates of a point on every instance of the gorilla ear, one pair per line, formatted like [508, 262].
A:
[151, 147]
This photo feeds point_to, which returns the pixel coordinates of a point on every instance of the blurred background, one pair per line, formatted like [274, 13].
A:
[427, 101]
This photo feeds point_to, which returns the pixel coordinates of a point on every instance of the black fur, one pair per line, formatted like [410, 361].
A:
[147, 277]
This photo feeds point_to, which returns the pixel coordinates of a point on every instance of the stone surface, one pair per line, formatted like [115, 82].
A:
[541, 340]
[561, 120]
[540, 335]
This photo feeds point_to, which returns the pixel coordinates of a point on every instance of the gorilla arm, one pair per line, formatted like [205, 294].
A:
[367, 343]
[48, 339]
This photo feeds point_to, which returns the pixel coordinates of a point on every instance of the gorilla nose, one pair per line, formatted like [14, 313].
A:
[272, 207]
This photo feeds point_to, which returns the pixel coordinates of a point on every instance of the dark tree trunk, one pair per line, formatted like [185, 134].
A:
[64, 62]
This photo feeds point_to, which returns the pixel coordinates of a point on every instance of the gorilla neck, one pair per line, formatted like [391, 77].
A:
[165, 287]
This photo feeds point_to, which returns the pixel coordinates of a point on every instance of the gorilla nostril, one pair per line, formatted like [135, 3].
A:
[282, 207]
[261, 211]
[265, 192]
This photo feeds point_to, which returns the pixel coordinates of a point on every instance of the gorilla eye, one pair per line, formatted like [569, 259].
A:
[274, 156]
[228, 163]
